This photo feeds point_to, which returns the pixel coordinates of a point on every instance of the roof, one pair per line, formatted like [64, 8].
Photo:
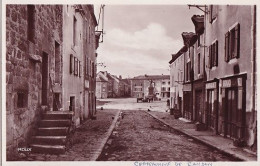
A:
[100, 79]
[115, 78]
[151, 77]
[178, 54]
[126, 81]
[198, 21]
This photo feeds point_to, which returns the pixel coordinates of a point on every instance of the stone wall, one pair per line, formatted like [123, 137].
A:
[24, 69]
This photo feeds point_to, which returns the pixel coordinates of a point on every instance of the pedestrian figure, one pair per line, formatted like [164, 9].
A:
[168, 105]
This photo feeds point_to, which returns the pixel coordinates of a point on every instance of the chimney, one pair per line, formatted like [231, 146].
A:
[120, 77]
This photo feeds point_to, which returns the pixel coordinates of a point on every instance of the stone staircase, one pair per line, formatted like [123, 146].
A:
[52, 133]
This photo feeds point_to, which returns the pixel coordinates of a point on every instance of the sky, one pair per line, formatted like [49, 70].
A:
[139, 39]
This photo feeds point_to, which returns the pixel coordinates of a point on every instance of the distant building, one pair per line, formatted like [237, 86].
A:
[177, 79]
[140, 84]
[110, 86]
[124, 87]
[101, 85]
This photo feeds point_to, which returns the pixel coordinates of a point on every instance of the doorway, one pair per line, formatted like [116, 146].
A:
[231, 113]
[45, 74]
[198, 106]
[72, 103]
[56, 102]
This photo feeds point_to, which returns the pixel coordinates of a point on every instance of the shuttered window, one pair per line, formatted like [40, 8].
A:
[75, 66]
[213, 55]
[87, 67]
[232, 43]
[227, 47]
[79, 69]
[71, 64]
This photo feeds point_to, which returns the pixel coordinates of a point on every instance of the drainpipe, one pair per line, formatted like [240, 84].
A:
[254, 116]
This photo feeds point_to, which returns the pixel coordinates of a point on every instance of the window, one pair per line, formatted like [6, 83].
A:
[232, 43]
[87, 70]
[169, 82]
[74, 31]
[22, 99]
[199, 63]
[71, 64]
[79, 69]
[75, 66]
[213, 55]
[163, 83]
[31, 23]
[213, 12]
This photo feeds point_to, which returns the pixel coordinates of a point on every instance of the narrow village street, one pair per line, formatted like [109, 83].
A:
[114, 82]
[138, 136]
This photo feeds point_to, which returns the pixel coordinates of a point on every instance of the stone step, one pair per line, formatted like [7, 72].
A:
[53, 131]
[49, 140]
[55, 123]
[51, 115]
[50, 149]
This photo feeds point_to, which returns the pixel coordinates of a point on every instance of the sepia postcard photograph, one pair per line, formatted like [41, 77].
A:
[146, 83]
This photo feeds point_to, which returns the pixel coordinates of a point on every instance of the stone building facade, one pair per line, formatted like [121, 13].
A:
[33, 39]
[41, 73]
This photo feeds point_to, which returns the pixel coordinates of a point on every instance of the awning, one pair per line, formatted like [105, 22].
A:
[198, 21]
[189, 38]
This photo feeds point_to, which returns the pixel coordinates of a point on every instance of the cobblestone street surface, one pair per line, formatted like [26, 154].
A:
[85, 142]
[139, 137]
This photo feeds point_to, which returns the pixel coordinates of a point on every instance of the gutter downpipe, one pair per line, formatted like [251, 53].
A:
[254, 113]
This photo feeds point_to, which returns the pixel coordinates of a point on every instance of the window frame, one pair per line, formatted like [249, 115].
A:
[213, 55]
[232, 43]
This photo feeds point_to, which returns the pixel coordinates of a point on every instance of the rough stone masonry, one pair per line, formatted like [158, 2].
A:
[31, 30]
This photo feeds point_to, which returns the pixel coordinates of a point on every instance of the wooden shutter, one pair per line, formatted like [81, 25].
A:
[210, 56]
[71, 64]
[79, 69]
[237, 40]
[87, 67]
[216, 54]
[227, 47]
[75, 66]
